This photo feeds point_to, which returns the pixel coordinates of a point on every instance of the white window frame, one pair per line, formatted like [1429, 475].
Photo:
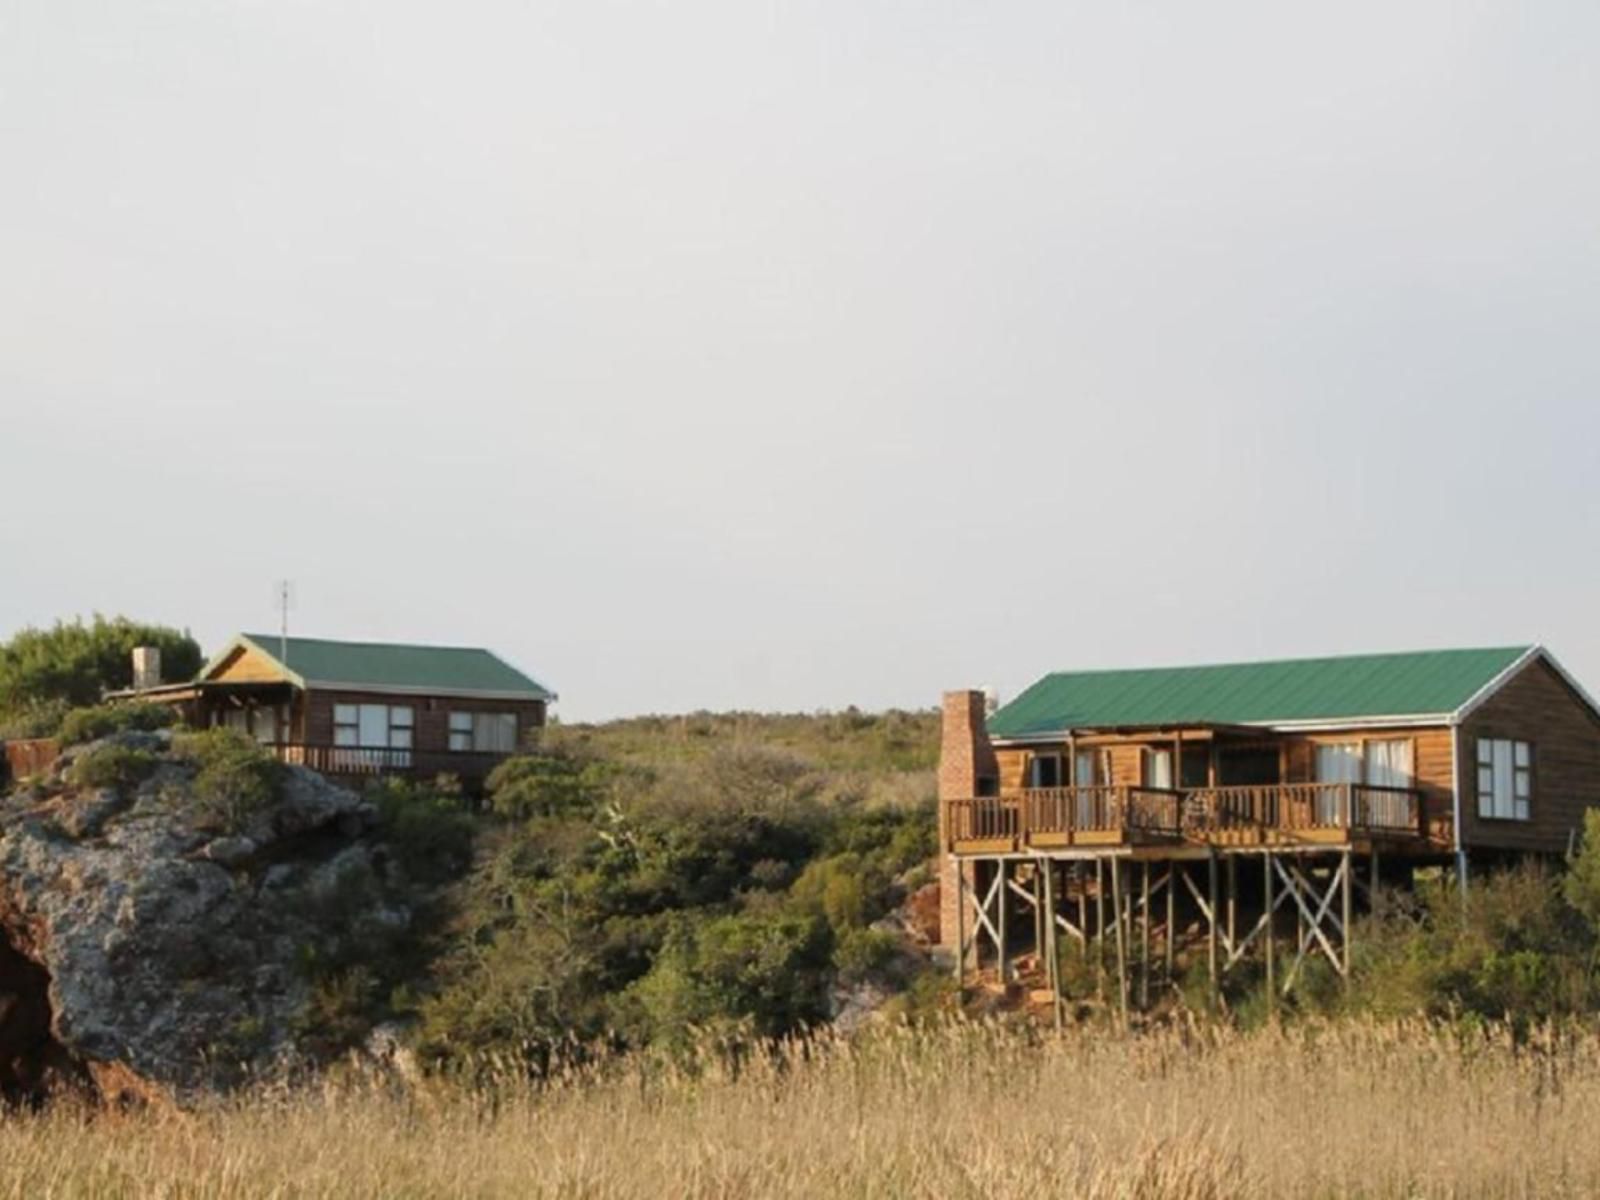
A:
[398, 722]
[1504, 779]
[483, 732]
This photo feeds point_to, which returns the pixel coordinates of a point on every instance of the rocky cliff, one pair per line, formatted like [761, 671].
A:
[155, 942]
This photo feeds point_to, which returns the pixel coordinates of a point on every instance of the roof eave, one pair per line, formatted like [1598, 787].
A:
[1295, 725]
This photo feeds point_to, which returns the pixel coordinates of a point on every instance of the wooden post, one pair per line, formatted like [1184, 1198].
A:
[1233, 902]
[1083, 906]
[1172, 916]
[1003, 967]
[1053, 947]
[1144, 938]
[1211, 927]
[1349, 871]
[1122, 950]
[1099, 930]
[1266, 933]
[1038, 908]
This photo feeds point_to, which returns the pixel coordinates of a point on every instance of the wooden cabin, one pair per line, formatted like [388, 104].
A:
[361, 709]
[1443, 756]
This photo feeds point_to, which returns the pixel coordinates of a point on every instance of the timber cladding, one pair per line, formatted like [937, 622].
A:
[430, 713]
[1535, 706]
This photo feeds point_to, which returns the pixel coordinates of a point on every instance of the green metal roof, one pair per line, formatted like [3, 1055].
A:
[1425, 683]
[388, 666]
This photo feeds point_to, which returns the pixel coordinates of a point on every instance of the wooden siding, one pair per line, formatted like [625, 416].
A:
[1431, 763]
[430, 713]
[1536, 706]
[248, 665]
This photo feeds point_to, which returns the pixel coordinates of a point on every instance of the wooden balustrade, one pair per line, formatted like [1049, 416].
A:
[1067, 815]
[376, 761]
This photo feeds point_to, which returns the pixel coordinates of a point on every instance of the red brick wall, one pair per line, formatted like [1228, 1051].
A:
[965, 756]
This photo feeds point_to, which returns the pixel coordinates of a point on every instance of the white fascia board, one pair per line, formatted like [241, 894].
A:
[1315, 725]
[1397, 721]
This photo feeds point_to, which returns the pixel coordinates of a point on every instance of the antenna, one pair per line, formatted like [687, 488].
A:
[285, 599]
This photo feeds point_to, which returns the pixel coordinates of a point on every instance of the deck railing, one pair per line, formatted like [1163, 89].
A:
[1102, 813]
[375, 761]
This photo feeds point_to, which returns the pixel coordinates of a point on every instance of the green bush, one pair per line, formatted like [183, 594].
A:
[35, 719]
[864, 953]
[767, 974]
[112, 766]
[235, 778]
[427, 826]
[544, 785]
[88, 724]
[76, 663]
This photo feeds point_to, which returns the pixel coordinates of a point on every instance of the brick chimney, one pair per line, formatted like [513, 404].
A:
[965, 759]
[146, 667]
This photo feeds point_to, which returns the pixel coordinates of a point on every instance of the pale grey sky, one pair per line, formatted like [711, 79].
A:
[736, 354]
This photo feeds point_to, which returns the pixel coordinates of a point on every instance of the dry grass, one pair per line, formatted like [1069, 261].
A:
[969, 1110]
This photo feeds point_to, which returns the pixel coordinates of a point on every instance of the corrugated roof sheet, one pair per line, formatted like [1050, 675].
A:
[390, 665]
[1354, 687]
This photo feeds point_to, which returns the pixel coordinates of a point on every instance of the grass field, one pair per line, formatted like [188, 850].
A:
[967, 1110]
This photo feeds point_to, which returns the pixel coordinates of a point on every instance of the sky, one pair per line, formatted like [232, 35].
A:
[727, 354]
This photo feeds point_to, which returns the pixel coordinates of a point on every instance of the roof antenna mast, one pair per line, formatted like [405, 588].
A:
[285, 603]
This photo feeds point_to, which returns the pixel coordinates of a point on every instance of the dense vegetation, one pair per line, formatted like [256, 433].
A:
[642, 888]
[46, 672]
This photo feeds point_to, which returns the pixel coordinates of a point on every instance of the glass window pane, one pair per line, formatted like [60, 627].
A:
[344, 735]
[459, 740]
[460, 722]
[508, 738]
[344, 714]
[400, 715]
[1524, 784]
[1485, 751]
[1522, 810]
[374, 725]
[1502, 778]
[400, 738]
[1522, 754]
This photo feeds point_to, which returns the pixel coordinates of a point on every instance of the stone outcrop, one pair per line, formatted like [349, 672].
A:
[147, 950]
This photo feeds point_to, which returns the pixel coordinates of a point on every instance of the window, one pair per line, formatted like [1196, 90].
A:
[385, 726]
[492, 733]
[1505, 779]
[1086, 769]
[1157, 768]
[1388, 762]
[1044, 771]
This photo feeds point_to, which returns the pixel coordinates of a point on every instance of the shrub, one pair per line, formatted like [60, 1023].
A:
[77, 663]
[862, 953]
[427, 826]
[544, 785]
[113, 766]
[767, 974]
[88, 724]
[234, 779]
[35, 719]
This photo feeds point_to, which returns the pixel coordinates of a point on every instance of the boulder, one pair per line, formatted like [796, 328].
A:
[143, 953]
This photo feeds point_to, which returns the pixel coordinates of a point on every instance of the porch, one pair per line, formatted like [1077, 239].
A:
[1104, 816]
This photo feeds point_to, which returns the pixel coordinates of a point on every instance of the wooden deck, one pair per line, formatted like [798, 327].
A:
[366, 762]
[1044, 819]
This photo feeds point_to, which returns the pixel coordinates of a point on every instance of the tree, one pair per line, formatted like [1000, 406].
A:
[73, 663]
